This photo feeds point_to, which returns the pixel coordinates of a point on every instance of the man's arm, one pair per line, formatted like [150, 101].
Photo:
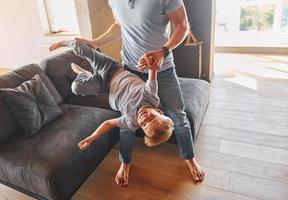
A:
[180, 24]
[104, 128]
[112, 35]
[179, 21]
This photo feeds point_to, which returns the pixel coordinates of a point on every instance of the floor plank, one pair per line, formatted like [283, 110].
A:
[7, 193]
[258, 188]
[227, 132]
[246, 126]
[251, 167]
[268, 154]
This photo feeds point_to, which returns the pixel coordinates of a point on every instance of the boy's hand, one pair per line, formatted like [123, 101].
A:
[154, 58]
[85, 143]
[146, 62]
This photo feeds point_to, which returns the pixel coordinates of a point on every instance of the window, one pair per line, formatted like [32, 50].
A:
[257, 23]
[284, 18]
[58, 16]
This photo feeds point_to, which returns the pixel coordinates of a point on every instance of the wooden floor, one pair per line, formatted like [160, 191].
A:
[242, 144]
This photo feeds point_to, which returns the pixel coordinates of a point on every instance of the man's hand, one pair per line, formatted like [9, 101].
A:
[84, 41]
[85, 143]
[152, 60]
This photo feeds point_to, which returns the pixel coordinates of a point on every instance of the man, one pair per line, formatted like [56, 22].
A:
[144, 28]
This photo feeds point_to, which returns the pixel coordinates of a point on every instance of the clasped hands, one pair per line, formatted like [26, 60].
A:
[152, 60]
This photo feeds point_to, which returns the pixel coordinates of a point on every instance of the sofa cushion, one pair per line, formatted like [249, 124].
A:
[32, 104]
[9, 125]
[16, 77]
[58, 69]
[50, 164]
[196, 94]
[99, 101]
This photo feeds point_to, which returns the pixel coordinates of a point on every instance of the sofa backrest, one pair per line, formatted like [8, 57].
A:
[58, 69]
[8, 124]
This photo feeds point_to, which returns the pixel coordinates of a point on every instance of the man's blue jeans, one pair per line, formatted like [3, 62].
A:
[171, 98]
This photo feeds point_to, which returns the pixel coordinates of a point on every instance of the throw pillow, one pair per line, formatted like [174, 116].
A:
[31, 104]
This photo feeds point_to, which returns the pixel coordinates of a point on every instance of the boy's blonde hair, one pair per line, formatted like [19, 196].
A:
[161, 133]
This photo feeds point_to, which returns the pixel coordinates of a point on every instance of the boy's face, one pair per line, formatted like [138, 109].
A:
[150, 119]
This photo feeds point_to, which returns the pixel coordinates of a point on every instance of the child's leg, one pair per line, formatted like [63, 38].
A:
[77, 69]
[97, 60]
[85, 83]
[103, 69]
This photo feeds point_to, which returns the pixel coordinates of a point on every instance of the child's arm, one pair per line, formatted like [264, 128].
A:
[104, 128]
[152, 74]
[151, 86]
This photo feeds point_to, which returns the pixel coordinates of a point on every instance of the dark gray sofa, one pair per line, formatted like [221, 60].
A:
[50, 164]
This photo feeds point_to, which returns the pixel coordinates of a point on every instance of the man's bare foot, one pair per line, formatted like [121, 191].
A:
[196, 170]
[78, 70]
[57, 45]
[122, 175]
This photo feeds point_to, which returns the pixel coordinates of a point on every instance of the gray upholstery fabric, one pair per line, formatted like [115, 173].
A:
[32, 105]
[16, 77]
[196, 94]
[50, 164]
[8, 123]
[99, 101]
[58, 69]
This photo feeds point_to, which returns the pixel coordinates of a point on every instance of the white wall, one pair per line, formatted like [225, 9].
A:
[20, 32]
[22, 39]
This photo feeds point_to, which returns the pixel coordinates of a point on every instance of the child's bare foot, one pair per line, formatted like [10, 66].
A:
[196, 170]
[122, 175]
[57, 45]
[78, 70]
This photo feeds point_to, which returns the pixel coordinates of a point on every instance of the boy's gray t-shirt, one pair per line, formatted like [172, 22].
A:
[128, 93]
[144, 28]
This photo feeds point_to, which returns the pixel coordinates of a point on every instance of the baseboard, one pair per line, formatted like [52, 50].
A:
[252, 50]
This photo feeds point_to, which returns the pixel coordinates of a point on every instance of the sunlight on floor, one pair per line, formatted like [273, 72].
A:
[244, 81]
[264, 66]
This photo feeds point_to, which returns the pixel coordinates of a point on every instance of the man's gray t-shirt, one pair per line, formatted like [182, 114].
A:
[144, 28]
[128, 93]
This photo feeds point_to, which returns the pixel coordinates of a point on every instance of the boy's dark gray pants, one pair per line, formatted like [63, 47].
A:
[103, 70]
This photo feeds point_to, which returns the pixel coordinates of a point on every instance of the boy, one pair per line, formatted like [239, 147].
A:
[136, 100]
